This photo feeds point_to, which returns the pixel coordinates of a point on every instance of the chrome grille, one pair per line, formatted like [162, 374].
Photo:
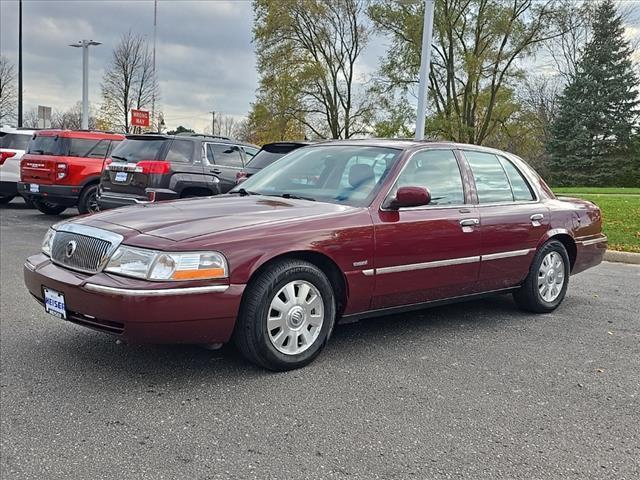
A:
[89, 253]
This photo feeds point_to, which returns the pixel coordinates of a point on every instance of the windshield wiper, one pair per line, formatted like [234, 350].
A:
[118, 157]
[243, 193]
[295, 197]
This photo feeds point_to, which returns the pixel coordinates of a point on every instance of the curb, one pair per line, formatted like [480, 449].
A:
[622, 257]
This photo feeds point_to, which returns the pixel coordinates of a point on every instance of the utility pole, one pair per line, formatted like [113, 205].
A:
[425, 60]
[20, 63]
[85, 44]
[153, 95]
[213, 122]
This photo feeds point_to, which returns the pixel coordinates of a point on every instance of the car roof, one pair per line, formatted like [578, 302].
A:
[18, 131]
[407, 144]
[193, 136]
[289, 142]
[87, 134]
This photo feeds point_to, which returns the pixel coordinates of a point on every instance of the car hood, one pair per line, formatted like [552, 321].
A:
[184, 219]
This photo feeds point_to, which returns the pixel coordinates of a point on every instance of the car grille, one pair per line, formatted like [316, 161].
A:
[88, 255]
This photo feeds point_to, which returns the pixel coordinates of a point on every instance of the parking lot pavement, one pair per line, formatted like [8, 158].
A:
[476, 390]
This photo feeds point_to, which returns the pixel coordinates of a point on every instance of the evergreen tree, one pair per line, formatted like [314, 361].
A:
[593, 135]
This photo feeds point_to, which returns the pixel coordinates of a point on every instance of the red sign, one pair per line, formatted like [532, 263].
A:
[139, 118]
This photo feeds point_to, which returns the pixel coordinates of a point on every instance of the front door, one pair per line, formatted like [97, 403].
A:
[430, 252]
[512, 221]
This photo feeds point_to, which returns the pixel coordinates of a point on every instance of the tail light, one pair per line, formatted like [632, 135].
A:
[5, 155]
[241, 177]
[61, 170]
[107, 162]
[153, 167]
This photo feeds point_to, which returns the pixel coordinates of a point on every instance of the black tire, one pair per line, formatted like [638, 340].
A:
[88, 201]
[48, 208]
[28, 202]
[528, 297]
[7, 199]
[251, 335]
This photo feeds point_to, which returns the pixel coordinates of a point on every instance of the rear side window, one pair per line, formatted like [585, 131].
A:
[46, 145]
[83, 147]
[180, 151]
[14, 141]
[492, 183]
[438, 171]
[519, 186]
[224, 155]
[133, 150]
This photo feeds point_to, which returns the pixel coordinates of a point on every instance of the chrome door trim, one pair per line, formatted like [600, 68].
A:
[593, 241]
[425, 265]
[513, 253]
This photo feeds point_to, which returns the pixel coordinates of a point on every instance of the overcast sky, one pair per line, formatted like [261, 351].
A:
[205, 58]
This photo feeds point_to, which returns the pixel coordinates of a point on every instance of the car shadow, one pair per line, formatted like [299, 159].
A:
[94, 353]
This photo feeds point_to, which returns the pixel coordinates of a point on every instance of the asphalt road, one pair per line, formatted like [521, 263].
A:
[476, 390]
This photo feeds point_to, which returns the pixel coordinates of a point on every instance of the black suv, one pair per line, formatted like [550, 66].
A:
[153, 167]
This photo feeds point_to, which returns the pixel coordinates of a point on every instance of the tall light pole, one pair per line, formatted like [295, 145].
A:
[153, 94]
[425, 60]
[85, 44]
[20, 64]
[213, 122]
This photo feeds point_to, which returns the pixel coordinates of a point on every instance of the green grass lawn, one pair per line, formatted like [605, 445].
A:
[620, 211]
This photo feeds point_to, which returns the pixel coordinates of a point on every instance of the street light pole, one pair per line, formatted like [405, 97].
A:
[85, 44]
[425, 60]
[213, 122]
[20, 63]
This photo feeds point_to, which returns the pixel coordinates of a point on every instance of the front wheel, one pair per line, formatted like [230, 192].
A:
[287, 316]
[49, 208]
[546, 285]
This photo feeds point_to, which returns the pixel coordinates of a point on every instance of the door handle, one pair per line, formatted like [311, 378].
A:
[469, 222]
[535, 219]
[217, 171]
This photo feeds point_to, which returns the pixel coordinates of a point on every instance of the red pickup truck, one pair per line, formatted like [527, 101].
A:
[61, 169]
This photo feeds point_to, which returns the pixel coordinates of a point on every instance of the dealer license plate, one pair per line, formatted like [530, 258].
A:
[54, 303]
[34, 187]
[121, 177]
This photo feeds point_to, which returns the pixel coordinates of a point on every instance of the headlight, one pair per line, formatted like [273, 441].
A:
[47, 241]
[154, 265]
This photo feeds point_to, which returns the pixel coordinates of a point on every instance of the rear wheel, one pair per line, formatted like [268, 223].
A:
[546, 285]
[7, 199]
[48, 208]
[287, 316]
[88, 201]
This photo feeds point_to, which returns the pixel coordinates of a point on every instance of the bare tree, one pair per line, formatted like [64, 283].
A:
[8, 94]
[225, 125]
[71, 119]
[128, 82]
[30, 118]
[312, 46]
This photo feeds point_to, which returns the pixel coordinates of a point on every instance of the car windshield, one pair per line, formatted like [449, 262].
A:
[342, 174]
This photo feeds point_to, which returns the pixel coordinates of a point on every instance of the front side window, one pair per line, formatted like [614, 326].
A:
[491, 180]
[224, 155]
[438, 171]
[341, 174]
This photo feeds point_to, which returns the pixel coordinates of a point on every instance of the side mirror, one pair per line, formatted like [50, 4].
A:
[411, 197]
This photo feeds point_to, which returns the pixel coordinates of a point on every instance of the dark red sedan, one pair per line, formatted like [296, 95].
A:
[336, 230]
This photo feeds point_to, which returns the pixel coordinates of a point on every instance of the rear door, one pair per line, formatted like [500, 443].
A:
[512, 220]
[223, 162]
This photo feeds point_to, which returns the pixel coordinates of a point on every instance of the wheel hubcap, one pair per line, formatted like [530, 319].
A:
[92, 204]
[295, 317]
[551, 276]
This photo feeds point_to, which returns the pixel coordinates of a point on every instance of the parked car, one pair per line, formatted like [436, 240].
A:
[61, 169]
[13, 143]
[269, 153]
[151, 167]
[385, 227]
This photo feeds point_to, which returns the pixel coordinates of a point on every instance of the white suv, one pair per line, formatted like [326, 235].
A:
[13, 143]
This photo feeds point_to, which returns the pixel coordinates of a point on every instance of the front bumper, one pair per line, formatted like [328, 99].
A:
[136, 310]
[61, 194]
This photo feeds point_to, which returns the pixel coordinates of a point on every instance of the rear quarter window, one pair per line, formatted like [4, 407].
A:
[87, 148]
[14, 141]
[180, 151]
